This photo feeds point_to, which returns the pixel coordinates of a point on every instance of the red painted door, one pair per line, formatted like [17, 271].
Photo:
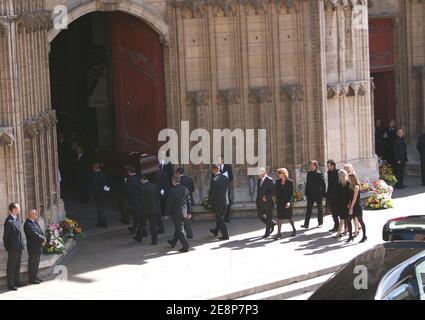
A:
[381, 44]
[137, 62]
[384, 96]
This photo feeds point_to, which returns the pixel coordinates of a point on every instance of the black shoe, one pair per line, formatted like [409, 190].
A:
[266, 236]
[137, 239]
[13, 288]
[223, 238]
[319, 225]
[184, 250]
[349, 240]
[333, 230]
[38, 279]
[304, 226]
[189, 237]
[278, 236]
[214, 232]
[18, 284]
[337, 236]
[34, 282]
[172, 244]
[294, 233]
[364, 239]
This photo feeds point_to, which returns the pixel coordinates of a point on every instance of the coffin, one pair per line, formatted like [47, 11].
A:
[149, 164]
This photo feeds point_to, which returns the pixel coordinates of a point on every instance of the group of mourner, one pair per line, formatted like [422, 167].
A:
[170, 194]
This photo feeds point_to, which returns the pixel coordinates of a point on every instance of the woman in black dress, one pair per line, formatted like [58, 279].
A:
[355, 208]
[344, 197]
[284, 190]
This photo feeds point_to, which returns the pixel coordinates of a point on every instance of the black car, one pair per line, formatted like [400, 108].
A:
[411, 228]
[389, 271]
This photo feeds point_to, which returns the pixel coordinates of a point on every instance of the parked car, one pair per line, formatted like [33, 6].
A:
[411, 228]
[389, 271]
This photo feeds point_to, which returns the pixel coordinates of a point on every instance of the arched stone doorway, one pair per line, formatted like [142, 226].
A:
[108, 90]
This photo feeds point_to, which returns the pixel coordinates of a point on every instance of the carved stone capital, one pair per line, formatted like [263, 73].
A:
[197, 98]
[229, 97]
[52, 117]
[293, 93]
[332, 5]
[34, 21]
[260, 95]
[286, 6]
[192, 8]
[7, 137]
[4, 28]
[254, 7]
[224, 8]
[419, 72]
[30, 128]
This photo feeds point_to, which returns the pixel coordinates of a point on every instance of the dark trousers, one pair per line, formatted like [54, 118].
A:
[266, 217]
[14, 267]
[399, 172]
[332, 206]
[134, 204]
[159, 220]
[179, 234]
[100, 200]
[188, 228]
[227, 214]
[220, 224]
[124, 209]
[310, 203]
[141, 228]
[423, 169]
[33, 263]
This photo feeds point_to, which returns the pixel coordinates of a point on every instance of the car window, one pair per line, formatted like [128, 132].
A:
[420, 277]
[402, 292]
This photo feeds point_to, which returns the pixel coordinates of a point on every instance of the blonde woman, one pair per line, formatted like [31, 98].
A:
[344, 197]
[350, 169]
[284, 190]
[355, 208]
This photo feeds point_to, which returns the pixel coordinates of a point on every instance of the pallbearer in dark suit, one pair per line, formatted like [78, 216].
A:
[332, 193]
[188, 183]
[100, 189]
[132, 191]
[219, 200]
[150, 209]
[265, 204]
[163, 180]
[315, 190]
[12, 240]
[35, 241]
[82, 171]
[226, 169]
[400, 158]
[284, 190]
[177, 207]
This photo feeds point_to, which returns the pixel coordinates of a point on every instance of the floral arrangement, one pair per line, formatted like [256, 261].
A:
[364, 186]
[297, 196]
[381, 198]
[71, 229]
[386, 173]
[206, 203]
[54, 240]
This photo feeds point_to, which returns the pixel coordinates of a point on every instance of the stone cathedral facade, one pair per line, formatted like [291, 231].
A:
[299, 68]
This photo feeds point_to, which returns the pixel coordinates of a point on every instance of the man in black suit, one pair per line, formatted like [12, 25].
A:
[150, 209]
[332, 193]
[219, 200]
[163, 180]
[100, 191]
[226, 169]
[420, 146]
[400, 158]
[132, 191]
[35, 241]
[315, 190]
[188, 183]
[177, 207]
[12, 240]
[265, 204]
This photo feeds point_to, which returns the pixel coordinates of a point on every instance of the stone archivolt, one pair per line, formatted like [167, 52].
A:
[352, 89]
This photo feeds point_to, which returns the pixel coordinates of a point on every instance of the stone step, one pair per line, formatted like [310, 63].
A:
[47, 264]
[291, 291]
[285, 283]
